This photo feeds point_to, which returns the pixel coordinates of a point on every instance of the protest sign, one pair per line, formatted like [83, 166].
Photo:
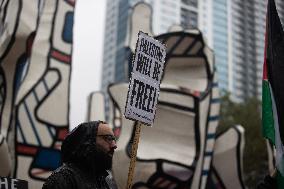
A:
[11, 183]
[144, 87]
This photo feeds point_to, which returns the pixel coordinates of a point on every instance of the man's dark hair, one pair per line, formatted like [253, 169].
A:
[85, 164]
[80, 144]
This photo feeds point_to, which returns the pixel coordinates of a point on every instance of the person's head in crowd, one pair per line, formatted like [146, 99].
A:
[90, 146]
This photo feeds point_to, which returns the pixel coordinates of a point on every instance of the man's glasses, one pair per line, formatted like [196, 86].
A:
[108, 138]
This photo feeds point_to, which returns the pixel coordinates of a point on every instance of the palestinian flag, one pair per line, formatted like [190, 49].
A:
[273, 87]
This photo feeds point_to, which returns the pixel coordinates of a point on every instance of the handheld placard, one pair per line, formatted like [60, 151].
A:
[144, 88]
[12, 183]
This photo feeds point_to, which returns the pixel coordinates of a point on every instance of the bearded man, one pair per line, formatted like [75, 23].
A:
[87, 159]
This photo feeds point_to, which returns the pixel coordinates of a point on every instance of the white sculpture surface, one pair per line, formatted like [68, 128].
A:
[35, 62]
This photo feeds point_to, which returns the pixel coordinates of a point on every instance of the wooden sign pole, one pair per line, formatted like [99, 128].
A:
[150, 82]
[133, 155]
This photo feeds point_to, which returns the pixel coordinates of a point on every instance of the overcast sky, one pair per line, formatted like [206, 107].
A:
[87, 56]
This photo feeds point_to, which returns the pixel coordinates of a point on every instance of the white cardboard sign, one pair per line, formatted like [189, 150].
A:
[144, 86]
[11, 183]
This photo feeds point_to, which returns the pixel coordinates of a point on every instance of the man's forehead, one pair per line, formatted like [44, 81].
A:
[104, 129]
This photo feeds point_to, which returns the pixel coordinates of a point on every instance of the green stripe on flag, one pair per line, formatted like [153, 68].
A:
[267, 113]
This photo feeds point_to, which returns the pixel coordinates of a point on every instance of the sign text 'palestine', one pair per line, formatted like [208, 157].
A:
[148, 66]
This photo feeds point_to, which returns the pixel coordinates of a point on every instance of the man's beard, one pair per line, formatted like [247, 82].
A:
[101, 161]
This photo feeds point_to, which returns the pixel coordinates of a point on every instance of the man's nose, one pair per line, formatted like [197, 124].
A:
[113, 145]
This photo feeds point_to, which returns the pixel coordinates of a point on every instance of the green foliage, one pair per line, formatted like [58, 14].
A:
[248, 115]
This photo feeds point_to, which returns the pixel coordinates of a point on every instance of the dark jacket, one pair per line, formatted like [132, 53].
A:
[79, 170]
[268, 183]
[69, 176]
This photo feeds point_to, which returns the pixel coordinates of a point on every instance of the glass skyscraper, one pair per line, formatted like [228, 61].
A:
[234, 29]
[220, 38]
[165, 13]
